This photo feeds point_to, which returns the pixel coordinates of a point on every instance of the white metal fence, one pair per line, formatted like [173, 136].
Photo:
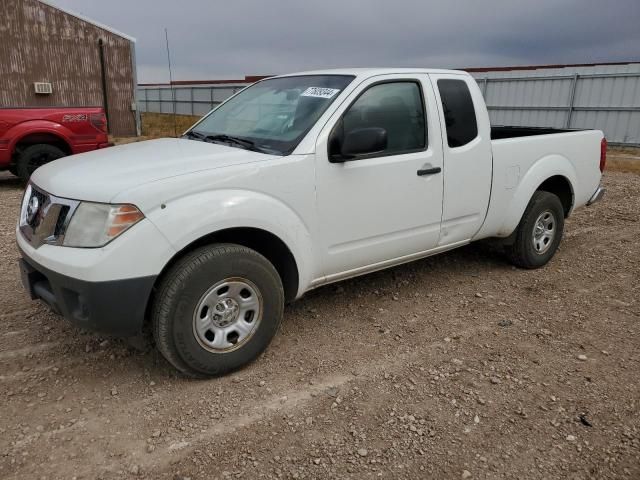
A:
[184, 100]
[605, 97]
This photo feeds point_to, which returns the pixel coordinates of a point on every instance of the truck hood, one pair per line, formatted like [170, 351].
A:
[100, 175]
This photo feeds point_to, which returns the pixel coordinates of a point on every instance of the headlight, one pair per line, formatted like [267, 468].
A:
[96, 224]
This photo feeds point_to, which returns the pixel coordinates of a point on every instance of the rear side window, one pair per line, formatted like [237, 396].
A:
[459, 114]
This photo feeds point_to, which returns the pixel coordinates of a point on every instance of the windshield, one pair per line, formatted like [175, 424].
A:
[273, 115]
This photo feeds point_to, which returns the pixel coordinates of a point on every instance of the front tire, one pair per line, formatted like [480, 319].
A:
[217, 309]
[539, 233]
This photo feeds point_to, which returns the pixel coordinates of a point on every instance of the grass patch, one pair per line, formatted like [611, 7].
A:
[623, 159]
[159, 125]
[623, 165]
[155, 125]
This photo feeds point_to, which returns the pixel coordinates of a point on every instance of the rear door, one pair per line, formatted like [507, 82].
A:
[381, 207]
[466, 142]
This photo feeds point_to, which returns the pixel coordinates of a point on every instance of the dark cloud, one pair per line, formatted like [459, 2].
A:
[213, 39]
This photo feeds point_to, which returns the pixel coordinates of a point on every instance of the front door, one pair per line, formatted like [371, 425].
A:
[377, 208]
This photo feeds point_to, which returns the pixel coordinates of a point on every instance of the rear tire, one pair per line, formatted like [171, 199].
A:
[35, 156]
[217, 309]
[539, 233]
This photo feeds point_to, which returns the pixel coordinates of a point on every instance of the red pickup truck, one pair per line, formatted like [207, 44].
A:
[31, 137]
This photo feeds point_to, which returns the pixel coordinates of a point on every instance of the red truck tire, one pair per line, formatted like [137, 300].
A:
[35, 156]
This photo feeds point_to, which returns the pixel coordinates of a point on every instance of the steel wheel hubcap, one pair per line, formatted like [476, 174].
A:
[544, 231]
[227, 315]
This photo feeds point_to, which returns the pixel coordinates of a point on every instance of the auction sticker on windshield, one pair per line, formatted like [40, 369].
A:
[319, 92]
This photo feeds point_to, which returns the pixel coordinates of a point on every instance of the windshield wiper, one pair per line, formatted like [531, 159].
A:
[230, 139]
[194, 134]
[222, 137]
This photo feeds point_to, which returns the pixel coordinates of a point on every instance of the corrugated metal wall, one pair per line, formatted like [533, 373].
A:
[605, 97]
[189, 99]
[39, 43]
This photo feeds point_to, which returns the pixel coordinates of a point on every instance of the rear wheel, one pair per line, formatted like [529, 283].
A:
[35, 156]
[539, 232]
[217, 309]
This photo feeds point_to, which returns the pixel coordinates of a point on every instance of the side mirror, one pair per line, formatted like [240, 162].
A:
[360, 141]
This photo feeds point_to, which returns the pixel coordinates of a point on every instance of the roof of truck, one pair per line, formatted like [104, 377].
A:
[370, 72]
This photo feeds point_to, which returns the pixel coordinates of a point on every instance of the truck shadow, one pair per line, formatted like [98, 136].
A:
[10, 182]
[465, 262]
[461, 265]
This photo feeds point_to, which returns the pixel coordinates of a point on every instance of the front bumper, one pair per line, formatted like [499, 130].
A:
[597, 195]
[116, 307]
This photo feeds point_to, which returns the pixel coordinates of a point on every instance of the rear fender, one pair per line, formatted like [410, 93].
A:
[543, 169]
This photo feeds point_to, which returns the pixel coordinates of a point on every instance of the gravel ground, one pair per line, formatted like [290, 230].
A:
[457, 366]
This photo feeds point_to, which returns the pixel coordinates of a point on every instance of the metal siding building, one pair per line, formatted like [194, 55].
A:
[43, 43]
[604, 97]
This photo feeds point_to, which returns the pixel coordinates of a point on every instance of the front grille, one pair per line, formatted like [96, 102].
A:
[61, 223]
[42, 198]
[44, 217]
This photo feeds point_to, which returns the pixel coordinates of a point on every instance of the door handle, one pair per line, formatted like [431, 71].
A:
[429, 171]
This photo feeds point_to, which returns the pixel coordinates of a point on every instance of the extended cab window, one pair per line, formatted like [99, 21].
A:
[396, 107]
[459, 114]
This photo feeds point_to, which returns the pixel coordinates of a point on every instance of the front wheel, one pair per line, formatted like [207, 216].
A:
[217, 309]
[539, 232]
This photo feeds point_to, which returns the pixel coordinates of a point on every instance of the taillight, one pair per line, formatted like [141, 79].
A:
[603, 154]
[99, 121]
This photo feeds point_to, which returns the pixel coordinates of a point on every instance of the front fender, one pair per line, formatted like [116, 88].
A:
[185, 220]
[543, 169]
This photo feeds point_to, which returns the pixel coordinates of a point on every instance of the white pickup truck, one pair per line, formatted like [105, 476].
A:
[295, 182]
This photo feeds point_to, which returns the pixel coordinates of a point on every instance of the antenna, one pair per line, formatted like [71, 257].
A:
[173, 92]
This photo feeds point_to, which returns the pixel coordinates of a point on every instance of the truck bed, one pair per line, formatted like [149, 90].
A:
[500, 132]
[525, 156]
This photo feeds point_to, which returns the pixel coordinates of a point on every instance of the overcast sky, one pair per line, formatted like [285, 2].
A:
[232, 38]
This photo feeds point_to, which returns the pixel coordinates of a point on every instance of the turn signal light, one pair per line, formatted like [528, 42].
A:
[124, 217]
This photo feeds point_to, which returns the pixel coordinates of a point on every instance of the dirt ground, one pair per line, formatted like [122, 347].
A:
[457, 366]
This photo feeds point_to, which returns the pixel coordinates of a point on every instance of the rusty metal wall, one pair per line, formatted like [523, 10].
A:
[39, 43]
